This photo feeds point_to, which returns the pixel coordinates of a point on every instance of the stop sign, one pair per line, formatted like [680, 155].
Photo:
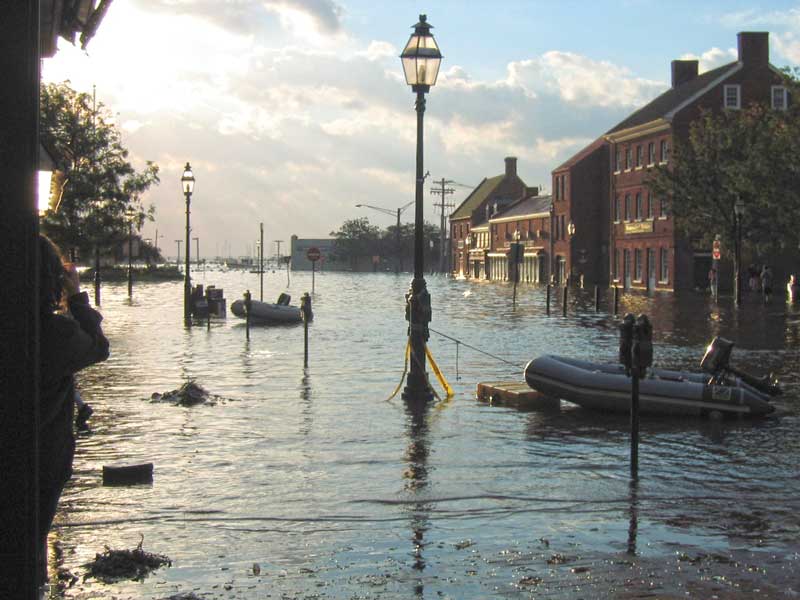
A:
[313, 254]
[716, 250]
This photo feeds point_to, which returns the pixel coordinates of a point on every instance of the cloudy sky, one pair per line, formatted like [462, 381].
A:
[291, 112]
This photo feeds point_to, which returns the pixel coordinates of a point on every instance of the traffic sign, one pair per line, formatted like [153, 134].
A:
[313, 254]
[716, 251]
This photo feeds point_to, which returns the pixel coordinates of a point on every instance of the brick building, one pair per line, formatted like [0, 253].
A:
[646, 251]
[492, 195]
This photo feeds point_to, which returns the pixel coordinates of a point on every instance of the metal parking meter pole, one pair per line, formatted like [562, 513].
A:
[636, 354]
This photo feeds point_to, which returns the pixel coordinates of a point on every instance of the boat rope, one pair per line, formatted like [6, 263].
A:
[457, 341]
[449, 393]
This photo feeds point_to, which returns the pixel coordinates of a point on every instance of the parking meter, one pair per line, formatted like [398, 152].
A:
[642, 350]
[626, 341]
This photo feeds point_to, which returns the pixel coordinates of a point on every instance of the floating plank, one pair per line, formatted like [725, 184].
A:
[127, 474]
[514, 393]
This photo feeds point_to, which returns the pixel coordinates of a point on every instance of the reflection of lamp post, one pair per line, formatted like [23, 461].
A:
[421, 59]
[738, 210]
[397, 231]
[187, 183]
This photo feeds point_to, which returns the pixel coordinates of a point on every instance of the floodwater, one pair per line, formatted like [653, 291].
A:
[308, 483]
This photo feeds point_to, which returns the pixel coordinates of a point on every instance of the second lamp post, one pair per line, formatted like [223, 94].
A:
[421, 61]
[187, 183]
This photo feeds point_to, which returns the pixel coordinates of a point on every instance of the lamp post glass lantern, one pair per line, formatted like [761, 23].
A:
[187, 184]
[421, 60]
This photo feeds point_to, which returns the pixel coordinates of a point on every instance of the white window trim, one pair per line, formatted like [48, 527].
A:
[785, 96]
[738, 89]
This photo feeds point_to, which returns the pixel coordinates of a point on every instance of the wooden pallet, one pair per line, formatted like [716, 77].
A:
[513, 393]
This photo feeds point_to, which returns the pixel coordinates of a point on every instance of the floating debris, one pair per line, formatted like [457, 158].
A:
[184, 596]
[189, 394]
[115, 565]
[463, 544]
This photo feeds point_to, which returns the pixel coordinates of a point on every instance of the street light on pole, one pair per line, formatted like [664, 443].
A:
[738, 210]
[421, 60]
[130, 215]
[187, 184]
[397, 231]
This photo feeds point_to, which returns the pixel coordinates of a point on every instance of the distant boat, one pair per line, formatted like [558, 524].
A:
[265, 312]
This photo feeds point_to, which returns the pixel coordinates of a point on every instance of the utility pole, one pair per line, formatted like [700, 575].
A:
[278, 242]
[445, 208]
[178, 260]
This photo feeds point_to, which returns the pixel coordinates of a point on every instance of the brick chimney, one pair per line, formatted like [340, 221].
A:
[511, 166]
[683, 71]
[754, 48]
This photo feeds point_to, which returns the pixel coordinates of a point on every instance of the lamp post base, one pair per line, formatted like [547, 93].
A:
[418, 314]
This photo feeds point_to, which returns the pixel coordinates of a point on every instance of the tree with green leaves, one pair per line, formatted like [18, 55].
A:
[356, 238]
[101, 189]
[747, 155]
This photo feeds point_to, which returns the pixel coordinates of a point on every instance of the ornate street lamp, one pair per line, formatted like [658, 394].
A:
[187, 184]
[421, 60]
[738, 210]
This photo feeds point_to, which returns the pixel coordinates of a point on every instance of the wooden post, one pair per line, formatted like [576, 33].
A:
[597, 298]
[305, 310]
[247, 305]
[564, 301]
[548, 299]
[616, 300]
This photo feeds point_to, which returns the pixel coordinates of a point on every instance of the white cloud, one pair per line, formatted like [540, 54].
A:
[713, 58]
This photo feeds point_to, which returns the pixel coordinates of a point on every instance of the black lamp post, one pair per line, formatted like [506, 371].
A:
[187, 182]
[397, 259]
[738, 210]
[551, 274]
[130, 216]
[421, 60]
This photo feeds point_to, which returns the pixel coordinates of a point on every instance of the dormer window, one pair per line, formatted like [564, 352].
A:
[779, 99]
[732, 96]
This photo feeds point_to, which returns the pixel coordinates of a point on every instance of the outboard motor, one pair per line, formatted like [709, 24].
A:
[716, 362]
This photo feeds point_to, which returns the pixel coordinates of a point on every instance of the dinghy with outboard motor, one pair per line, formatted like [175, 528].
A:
[280, 312]
[606, 387]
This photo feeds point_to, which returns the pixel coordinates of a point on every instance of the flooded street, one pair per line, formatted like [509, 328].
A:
[333, 492]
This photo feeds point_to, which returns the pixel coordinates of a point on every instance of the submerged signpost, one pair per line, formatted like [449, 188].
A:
[636, 355]
[313, 254]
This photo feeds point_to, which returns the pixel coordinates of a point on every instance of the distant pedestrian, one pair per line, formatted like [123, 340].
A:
[713, 282]
[793, 288]
[754, 280]
[766, 283]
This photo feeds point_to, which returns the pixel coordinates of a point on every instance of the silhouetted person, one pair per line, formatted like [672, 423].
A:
[70, 341]
[766, 283]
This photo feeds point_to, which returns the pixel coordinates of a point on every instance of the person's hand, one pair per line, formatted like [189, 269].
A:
[72, 283]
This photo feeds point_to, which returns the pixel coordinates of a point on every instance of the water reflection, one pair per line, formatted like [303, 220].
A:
[416, 483]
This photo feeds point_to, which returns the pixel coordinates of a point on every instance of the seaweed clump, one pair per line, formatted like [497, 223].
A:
[116, 565]
[188, 394]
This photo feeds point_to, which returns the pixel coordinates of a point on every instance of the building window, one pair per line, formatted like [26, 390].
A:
[779, 97]
[639, 156]
[664, 274]
[637, 264]
[615, 264]
[628, 159]
[662, 208]
[639, 207]
[651, 153]
[628, 216]
[651, 209]
[732, 96]
[664, 151]
[563, 229]
[616, 209]
[563, 187]
[618, 161]
[557, 186]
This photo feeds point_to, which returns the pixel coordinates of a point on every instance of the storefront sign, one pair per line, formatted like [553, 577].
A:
[639, 227]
